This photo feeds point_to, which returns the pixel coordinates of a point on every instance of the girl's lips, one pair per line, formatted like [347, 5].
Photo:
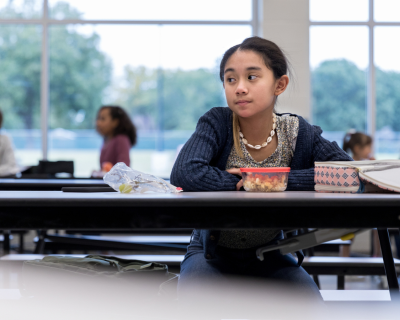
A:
[243, 103]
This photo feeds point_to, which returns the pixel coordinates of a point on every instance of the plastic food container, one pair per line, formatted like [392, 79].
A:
[265, 179]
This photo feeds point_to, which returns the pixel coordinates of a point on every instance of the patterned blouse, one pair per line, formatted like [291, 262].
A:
[287, 128]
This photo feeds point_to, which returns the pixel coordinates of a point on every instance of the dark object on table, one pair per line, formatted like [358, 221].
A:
[87, 189]
[48, 169]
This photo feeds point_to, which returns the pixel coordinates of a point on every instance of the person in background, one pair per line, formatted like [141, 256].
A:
[358, 145]
[119, 134]
[8, 165]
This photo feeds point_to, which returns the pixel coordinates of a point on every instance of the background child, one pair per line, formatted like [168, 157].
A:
[358, 145]
[119, 134]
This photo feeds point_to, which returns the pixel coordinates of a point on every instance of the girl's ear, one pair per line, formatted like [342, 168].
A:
[281, 85]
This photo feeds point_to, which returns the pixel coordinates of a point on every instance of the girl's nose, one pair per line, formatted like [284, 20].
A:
[241, 88]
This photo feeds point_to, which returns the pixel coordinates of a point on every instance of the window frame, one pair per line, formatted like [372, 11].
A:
[371, 77]
[45, 22]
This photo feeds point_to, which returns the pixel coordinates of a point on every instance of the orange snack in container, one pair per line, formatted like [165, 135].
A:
[265, 179]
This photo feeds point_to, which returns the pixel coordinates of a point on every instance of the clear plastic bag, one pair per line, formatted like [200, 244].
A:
[126, 180]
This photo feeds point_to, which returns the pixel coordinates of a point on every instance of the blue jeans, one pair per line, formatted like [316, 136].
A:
[199, 275]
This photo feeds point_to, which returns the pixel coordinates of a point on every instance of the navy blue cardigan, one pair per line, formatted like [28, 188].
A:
[201, 164]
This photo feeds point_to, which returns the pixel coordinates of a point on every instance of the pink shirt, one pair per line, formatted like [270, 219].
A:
[116, 150]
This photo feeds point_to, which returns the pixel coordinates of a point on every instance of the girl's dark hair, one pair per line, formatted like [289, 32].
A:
[125, 125]
[272, 55]
[1, 119]
[353, 139]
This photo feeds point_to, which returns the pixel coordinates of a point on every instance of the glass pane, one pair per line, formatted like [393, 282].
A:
[20, 52]
[339, 10]
[161, 76]
[152, 10]
[21, 9]
[387, 10]
[339, 60]
[387, 64]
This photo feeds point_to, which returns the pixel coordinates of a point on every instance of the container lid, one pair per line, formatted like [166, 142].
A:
[266, 170]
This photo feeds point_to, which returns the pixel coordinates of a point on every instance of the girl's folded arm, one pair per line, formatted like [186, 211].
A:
[301, 180]
[192, 170]
[323, 150]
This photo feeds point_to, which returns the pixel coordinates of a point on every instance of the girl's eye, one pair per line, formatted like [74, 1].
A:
[230, 79]
[252, 77]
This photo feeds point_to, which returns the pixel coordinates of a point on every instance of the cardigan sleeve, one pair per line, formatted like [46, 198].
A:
[325, 150]
[322, 150]
[192, 170]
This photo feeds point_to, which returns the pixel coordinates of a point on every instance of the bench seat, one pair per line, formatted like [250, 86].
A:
[56, 242]
[345, 265]
[342, 266]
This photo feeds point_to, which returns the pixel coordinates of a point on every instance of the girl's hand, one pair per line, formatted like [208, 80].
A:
[236, 171]
[239, 185]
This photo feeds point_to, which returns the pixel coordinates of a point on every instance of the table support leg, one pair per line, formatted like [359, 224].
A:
[389, 264]
[41, 242]
[340, 282]
[21, 243]
[6, 241]
[316, 280]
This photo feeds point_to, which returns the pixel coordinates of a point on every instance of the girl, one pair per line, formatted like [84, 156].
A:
[119, 135]
[359, 144]
[247, 133]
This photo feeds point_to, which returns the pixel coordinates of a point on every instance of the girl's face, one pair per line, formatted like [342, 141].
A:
[105, 124]
[361, 153]
[250, 87]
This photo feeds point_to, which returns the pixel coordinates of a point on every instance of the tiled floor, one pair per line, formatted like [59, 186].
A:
[353, 283]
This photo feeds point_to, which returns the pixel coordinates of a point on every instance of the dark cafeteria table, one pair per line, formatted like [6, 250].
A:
[27, 210]
[41, 185]
[48, 184]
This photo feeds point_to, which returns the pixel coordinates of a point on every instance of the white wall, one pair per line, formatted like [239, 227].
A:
[286, 22]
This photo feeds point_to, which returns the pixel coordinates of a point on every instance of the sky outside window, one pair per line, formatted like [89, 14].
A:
[158, 10]
[387, 10]
[21, 9]
[339, 42]
[339, 10]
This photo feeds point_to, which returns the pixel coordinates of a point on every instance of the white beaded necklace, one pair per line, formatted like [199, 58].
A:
[268, 140]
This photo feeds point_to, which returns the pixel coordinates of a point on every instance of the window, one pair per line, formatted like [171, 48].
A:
[387, 75]
[20, 48]
[157, 59]
[339, 60]
[355, 70]
[339, 10]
